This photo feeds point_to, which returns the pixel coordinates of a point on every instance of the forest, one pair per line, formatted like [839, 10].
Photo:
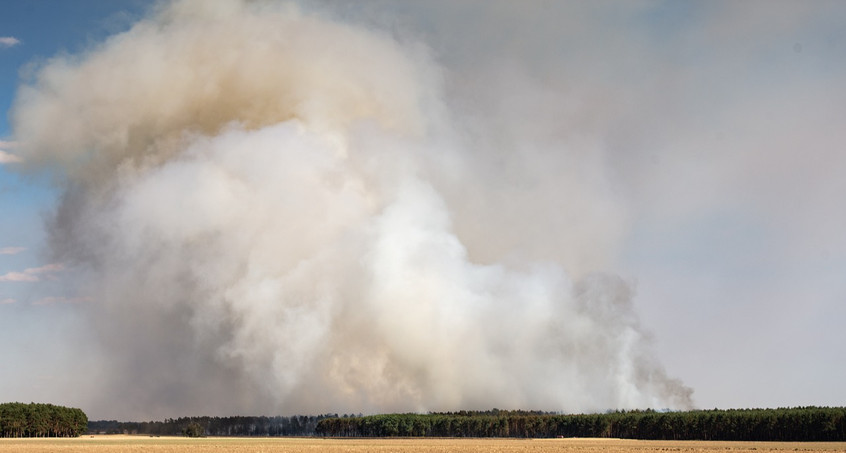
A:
[41, 420]
[784, 424]
[296, 425]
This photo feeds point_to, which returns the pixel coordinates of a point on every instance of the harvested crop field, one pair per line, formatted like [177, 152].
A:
[420, 445]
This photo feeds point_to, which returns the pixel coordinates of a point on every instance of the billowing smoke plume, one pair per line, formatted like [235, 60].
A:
[274, 212]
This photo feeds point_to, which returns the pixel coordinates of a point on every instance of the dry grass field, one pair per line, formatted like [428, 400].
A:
[122, 444]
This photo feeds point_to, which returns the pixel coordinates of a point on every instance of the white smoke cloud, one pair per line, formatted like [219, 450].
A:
[275, 212]
[11, 250]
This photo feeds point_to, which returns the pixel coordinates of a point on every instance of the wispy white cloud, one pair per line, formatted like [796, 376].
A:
[5, 156]
[8, 41]
[7, 301]
[32, 274]
[61, 300]
[18, 277]
[11, 250]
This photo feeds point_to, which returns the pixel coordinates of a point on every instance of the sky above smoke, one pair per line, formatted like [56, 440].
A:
[278, 208]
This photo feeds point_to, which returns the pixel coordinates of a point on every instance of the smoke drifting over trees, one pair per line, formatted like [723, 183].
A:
[277, 211]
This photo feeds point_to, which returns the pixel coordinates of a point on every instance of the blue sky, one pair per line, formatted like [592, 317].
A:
[715, 128]
[32, 321]
[36, 32]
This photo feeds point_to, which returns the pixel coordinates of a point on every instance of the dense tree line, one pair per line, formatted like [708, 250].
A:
[41, 420]
[785, 424]
[297, 425]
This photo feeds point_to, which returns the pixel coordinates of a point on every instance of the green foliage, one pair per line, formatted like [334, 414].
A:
[193, 429]
[297, 425]
[786, 424]
[41, 420]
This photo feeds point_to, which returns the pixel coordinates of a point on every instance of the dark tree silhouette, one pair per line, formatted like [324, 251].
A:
[41, 420]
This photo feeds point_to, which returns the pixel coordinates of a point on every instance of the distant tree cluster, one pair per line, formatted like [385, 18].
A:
[785, 424]
[194, 429]
[41, 420]
[297, 425]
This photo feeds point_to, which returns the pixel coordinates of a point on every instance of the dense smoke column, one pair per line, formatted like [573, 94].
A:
[274, 212]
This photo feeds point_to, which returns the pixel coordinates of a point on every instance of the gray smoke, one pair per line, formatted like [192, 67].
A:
[277, 211]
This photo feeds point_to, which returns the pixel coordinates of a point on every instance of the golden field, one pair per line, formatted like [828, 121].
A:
[123, 444]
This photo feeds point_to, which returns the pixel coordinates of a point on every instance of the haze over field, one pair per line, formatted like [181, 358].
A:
[279, 208]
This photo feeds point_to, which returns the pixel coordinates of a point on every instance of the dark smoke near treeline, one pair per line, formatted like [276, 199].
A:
[276, 208]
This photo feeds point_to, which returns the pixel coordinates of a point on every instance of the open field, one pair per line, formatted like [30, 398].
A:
[122, 444]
